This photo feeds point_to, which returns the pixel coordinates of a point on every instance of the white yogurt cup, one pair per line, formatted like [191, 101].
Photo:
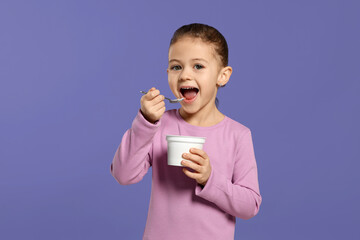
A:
[178, 145]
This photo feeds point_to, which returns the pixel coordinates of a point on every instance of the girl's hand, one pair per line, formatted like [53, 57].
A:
[152, 105]
[200, 163]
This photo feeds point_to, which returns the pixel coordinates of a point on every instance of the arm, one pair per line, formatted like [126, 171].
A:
[239, 196]
[133, 157]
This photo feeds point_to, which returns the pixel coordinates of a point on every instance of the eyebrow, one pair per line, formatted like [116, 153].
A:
[194, 59]
[173, 60]
[199, 59]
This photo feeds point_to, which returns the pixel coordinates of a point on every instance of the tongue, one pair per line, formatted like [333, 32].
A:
[189, 93]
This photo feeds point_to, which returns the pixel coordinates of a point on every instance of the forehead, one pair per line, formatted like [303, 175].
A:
[189, 47]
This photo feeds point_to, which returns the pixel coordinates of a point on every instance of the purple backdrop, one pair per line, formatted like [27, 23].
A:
[70, 76]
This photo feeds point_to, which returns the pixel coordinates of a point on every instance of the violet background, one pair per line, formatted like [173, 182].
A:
[70, 76]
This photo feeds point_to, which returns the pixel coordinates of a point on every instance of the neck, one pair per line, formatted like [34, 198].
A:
[203, 118]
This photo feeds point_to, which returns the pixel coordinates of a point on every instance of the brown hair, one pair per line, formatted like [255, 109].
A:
[207, 34]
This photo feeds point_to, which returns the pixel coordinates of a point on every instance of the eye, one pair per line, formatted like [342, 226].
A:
[176, 67]
[198, 66]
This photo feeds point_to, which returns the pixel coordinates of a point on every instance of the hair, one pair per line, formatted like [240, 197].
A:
[207, 34]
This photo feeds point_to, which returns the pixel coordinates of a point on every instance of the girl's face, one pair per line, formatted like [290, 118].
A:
[194, 73]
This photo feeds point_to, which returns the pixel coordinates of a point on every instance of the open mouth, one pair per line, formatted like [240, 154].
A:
[189, 93]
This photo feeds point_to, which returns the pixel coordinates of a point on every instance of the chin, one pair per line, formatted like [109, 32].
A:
[190, 109]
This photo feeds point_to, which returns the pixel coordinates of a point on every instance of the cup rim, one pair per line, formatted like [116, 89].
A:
[185, 139]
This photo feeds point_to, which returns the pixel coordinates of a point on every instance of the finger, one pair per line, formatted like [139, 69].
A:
[199, 152]
[158, 99]
[190, 174]
[158, 110]
[147, 95]
[195, 158]
[152, 94]
[191, 165]
[161, 111]
[159, 106]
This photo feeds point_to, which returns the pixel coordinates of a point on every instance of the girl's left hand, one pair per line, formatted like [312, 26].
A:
[200, 163]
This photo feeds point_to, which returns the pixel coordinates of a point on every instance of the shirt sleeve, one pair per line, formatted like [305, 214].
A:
[239, 196]
[133, 157]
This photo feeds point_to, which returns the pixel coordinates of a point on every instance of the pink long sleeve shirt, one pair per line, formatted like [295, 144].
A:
[179, 207]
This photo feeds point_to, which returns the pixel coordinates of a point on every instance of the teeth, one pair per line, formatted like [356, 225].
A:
[188, 88]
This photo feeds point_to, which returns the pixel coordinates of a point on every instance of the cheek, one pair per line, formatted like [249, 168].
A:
[172, 83]
[171, 80]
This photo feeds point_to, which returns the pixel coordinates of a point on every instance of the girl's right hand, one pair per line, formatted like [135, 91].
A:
[152, 105]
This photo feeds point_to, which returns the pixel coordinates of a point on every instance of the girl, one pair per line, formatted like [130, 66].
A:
[217, 184]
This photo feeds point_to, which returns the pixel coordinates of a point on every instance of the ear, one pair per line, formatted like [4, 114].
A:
[224, 76]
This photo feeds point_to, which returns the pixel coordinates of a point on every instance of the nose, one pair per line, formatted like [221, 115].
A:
[185, 74]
